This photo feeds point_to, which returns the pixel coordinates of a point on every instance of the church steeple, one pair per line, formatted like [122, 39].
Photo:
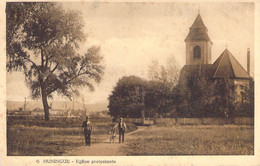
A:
[198, 23]
[198, 44]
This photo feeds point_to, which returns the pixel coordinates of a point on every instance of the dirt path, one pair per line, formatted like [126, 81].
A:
[104, 148]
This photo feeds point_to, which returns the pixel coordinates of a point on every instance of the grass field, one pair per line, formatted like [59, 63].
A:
[32, 137]
[192, 140]
[36, 137]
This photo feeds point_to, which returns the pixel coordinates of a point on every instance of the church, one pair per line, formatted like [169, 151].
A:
[198, 61]
[205, 89]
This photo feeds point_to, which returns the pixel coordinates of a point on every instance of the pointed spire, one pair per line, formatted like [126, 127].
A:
[198, 31]
[198, 23]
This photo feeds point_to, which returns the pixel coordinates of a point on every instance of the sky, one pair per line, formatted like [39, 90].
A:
[131, 35]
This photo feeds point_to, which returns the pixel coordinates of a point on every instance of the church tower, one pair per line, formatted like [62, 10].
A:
[198, 44]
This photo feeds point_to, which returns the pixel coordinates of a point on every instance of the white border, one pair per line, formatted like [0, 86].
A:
[135, 160]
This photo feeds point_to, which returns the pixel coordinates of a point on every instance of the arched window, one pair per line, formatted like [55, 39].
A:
[196, 52]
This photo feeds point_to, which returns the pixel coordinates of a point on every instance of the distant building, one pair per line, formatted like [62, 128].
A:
[198, 61]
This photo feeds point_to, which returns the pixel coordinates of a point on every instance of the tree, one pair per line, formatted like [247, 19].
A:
[225, 95]
[202, 97]
[127, 98]
[194, 95]
[181, 97]
[154, 71]
[158, 99]
[173, 71]
[43, 41]
[169, 74]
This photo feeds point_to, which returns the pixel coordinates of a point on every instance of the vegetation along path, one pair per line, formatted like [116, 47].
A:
[104, 148]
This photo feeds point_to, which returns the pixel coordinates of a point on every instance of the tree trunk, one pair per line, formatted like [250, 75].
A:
[46, 107]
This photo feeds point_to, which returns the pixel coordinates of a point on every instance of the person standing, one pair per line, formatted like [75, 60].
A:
[122, 127]
[87, 130]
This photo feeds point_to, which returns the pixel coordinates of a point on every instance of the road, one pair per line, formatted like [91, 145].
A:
[104, 148]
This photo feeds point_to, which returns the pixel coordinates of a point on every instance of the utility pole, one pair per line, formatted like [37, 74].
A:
[24, 105]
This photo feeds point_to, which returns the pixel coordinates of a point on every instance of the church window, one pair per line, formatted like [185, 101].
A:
[196, 52]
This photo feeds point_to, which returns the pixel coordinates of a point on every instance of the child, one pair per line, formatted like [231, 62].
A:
[112, 135]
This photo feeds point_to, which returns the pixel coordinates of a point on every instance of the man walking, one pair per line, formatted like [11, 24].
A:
[87, 129]
[121, 126]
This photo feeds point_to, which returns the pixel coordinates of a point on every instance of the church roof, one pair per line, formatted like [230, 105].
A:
[198, 31]
[207, 70]
[198, 23]
[227, 66]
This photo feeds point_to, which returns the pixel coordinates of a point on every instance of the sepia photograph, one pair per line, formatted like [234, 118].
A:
[129, 79]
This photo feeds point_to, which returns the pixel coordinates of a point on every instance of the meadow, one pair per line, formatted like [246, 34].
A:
[192, 140]
[36, 137]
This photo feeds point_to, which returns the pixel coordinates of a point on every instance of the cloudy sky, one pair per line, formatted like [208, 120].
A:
[131, 35]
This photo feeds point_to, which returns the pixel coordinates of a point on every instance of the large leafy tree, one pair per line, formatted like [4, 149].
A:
[43, 41]
[199, 96]
[132, 95]
[194, 95]
[158, 99]
[127, 98]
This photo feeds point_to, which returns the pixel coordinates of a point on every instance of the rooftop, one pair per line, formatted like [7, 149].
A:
[198, 31]
[227, 66]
